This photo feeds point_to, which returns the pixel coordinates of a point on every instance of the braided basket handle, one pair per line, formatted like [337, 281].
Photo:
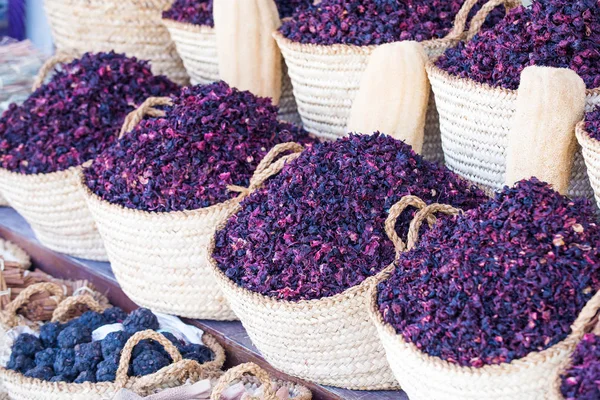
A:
[61, 313]
[146, 108]
[121, 375]
[460, 21]
[48, 66]
[237, 373]
[269, 167]
[395, 211]
[9, 315]
[424, 214]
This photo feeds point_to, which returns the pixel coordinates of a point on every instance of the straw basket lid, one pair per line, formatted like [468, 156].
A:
[12, 253]
[428, 377]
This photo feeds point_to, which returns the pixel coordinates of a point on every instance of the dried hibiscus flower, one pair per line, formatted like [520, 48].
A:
[76, 115]
[211, 137]
[317, 228]
[499, 282]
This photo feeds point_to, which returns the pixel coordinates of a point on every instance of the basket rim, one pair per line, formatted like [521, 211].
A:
[188, 26]
[119, 209]
[584, 138]
[46, 176]
[351, 292]
[434, 70]
[68, 387]
[445, 367]
[350, 49]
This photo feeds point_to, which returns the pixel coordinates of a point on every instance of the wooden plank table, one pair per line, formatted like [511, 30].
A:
[231, 335]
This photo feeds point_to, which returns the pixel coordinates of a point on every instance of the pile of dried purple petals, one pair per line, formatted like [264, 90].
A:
[592, 123]
[76, 115]
[317, 228]
[200, 12]
[213, 136]
[553, 33]
[372, 22]
[582, 380]
[499, 282]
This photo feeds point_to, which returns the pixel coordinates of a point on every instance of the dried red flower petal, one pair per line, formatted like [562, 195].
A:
[499, 282]
[582, 380]
[317, 228]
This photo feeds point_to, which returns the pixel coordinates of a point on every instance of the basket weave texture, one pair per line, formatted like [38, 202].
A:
[57, 212]
[475, 121]
[425, 377]
[590, 149]
[197, 46]
[326, 80]
[22, 388]
[132, 27]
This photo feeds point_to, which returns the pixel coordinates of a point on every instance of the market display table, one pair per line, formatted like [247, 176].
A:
[231, 335]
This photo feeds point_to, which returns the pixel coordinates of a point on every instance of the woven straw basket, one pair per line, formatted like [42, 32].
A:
[22, 388]
[54, 207]
[331, 340]
[132, 27]
[590, 149]
[475, 121]
[160, 258]
[424, 377]
[260, 376]
[326, 80]
[3, 201]
[197, 46]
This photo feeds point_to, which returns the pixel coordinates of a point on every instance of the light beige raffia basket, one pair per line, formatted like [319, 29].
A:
[160, 258]
[132, 27]
[326, 80]
[590, 150]
[331, 340]
[20, 387]
[258, 376]
[197, 46]
[475, 122]
[424, 377]
[51, 202]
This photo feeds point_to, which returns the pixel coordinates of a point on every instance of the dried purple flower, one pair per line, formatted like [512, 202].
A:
[554, 33]
[77, 114]
[592, 123]
[499, 282]
[369, 22]
[317, 228]
[200, 12]
[213, 136]
[582, 380]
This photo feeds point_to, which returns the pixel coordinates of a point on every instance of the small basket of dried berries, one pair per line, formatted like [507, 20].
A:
[491, 303]
[63, 124]
[327, 47]
[192, 28]
[251, 375]
[147, 361]
[132, 27]
[295, 260]
[476, 85]
[588, 136]
[159, 193]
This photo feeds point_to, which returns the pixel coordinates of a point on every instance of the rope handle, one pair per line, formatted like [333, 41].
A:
[479, 18]
[460, 20]
[9, 315]
[146, 108]
[269, 167]
[61, 313]
[424, 214]
[48, 66]
[121, 375]
[237, 373]
[395, 211]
